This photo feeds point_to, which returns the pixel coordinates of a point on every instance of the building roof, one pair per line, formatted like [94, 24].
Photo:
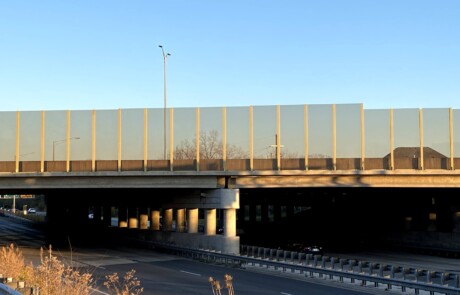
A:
[414, 152]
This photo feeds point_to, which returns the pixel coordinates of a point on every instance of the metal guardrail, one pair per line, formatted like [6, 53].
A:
[329, 267]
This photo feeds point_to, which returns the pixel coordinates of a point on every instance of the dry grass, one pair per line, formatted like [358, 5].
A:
[217, 287]
[12, 264]
[129, 286]
[53, 277]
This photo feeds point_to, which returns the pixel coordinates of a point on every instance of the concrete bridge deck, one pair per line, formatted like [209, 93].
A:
[230, 179]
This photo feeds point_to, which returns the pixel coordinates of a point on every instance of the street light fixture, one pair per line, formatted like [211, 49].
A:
[165, 56]
[61, 140]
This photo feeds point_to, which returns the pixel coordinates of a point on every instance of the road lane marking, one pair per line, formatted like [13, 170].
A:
[191, 273]
[98, 291]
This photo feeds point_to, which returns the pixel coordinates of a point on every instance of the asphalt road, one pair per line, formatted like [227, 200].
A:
[162, 274]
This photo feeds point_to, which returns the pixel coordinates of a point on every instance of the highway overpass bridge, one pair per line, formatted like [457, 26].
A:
[377, 174]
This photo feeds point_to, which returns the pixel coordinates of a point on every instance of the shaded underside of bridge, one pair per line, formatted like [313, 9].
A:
[346, 210]
[356, 218]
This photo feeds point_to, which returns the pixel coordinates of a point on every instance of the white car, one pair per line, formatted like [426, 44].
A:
[31, 211]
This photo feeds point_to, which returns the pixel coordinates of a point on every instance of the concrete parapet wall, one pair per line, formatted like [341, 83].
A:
[229, 245]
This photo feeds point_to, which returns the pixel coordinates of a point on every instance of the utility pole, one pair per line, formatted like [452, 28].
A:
[276, 146]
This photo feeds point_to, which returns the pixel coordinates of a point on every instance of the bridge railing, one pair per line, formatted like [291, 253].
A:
[216, 165]
[281, 137]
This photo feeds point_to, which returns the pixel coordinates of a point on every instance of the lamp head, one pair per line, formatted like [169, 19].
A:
[161, 46]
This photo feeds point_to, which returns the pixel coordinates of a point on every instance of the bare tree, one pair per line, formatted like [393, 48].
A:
[236, 152]
[320, 156]
[211, 147]
[185, 150]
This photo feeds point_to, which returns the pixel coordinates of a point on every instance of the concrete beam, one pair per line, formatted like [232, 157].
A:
[206, 180]
[104, 180]
[350, 180]
[206, 199]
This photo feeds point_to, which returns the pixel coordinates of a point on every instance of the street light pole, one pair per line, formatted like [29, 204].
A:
[165, 56]
[61, 140]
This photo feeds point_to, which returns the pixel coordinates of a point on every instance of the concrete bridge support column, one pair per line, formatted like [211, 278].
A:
[408, 223]
[252, 213]
[168, 219]
[132, 218]
[456, 222]
[155, 219]
[122, 216]
[290, 212]
[144, 218]
[107, 216]
[230, 222]
[97, 214]
[224, 200]
[264, 213]
[277, 213]
[210, 216]
[192, 221]
[432, 226]
[180, 220]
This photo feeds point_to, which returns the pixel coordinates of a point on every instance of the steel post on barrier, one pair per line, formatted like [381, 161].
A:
[293, 256]
[278, 253]
[324, 260]
[443, 278]
[285, 255]
[323, 263]
[333, 260]
[307, 259]
[301, 257]
[315, 260]
[457, 281]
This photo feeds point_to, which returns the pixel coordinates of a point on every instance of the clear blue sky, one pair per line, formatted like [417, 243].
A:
[104, 54]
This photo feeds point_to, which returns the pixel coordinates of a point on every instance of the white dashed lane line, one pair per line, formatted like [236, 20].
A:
[191, 273]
